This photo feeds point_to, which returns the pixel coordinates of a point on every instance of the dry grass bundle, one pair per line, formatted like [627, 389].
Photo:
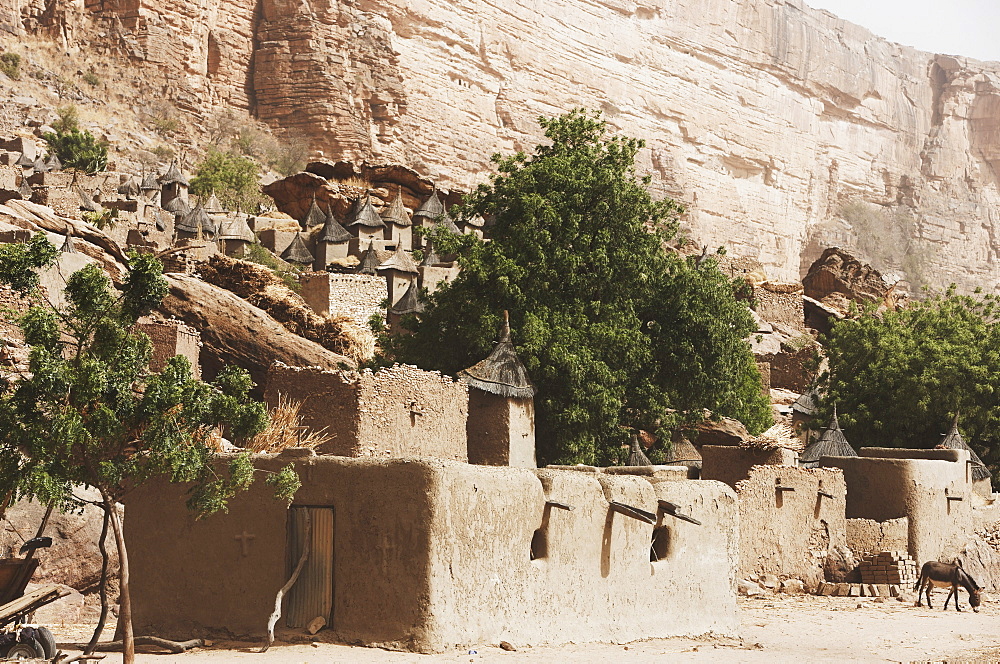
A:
[285, 430]
[780, 435]
[263, 289]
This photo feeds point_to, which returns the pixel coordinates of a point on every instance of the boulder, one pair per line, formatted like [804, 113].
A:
[748, 588]
[233, 331]
[840, 566]
[793, 587]
[837, 278]
[724, 431]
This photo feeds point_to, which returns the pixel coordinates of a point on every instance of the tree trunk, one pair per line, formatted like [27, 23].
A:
[124, 598]
[102, 545]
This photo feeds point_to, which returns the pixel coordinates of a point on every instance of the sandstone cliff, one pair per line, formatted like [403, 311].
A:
[783, 128]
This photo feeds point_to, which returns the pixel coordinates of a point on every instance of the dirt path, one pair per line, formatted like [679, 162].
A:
[776, 629]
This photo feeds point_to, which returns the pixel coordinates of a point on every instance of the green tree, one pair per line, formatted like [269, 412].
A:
[615, 330]
[78, 149]
[89, 412]
[235, 179]
[898, 378]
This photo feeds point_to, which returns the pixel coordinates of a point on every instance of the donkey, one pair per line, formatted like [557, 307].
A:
[948, 575]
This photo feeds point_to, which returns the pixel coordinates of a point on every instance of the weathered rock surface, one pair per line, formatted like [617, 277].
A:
[235, 332]
[837, 278]
[768, 118]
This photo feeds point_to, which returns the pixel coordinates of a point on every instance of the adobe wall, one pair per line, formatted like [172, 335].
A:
[432, 555]
[170, 338]
[787, 527]
[732, 463]
[884, 488]
[500, 431]
[396, 411]
[869, 536]
[781, 303]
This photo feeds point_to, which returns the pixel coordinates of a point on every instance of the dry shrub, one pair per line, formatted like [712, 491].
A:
[285, 430]
[264, 289]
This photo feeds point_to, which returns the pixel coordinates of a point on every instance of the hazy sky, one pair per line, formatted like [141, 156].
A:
[955, 27]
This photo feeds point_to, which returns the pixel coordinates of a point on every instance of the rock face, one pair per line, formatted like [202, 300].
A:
[784, 129]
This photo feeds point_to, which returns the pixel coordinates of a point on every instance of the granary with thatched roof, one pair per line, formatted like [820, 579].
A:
[427, 214]
[400, 273]
[173, 185]
[398, 226]
[831, 443]
[409, 304]
[978, 472]
[332, 243]
[196, 224]
[235, 235]
[433, 270]
[150, 188]
[313, 217]
[369, 260]
[366, 226]
[501, 422]
[298, 251]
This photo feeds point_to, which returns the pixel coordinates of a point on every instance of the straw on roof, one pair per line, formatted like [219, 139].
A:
[832, 442]
[953, 441]
[683, 450]
[364, 214]
[129, 188]
[173, 174]
[297, 251]
[410, 303]
[430, 257]
[25, 190]
[161, 225]
[400, 261]
[67, 246]
[779, 435]
[333, 232]
[449, 224]
[213, 204]
[314, 216]
[53, 163]
[431, 208]
[369, 260]
[636, 456]
[177, 206]
[24, 161]
[195, 220]
[40, 166]
[86, 202]
[236, 229]
[149, 183]
[396, 213]
[502, 372]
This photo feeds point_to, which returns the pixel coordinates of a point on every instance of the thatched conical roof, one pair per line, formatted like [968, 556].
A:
[40, 166]
[953, 441]
[129, 188]
[364, 214]
[68, 246]
[236, 229]
[636, 456]
[149, 183]
[86, 202]
[212, 205]
[314, 216]
[53, 164]
[832, 442]
[173, 174]
[24, 191]
[430, 257]
[400, 261]
[502, 372]
[177, 206]
[396, 214]
[333, 232]
[24, 161]
[410, 303]
[195, 220]
[448, 223]
[432, 208]
[297, 251]
[369, 260]
[161, 225]
[682, 450]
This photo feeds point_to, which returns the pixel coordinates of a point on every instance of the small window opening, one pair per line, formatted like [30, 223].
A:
[539, 544]
[659, 548]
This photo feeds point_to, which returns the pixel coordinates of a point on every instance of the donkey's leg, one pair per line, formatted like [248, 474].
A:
[920, 590]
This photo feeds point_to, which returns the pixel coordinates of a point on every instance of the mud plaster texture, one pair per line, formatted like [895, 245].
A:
[396, 411]
[776, 304]
[787, 527]
[882, 484]
[431, 555]
[170, 338]
[732, 463]
[870, 536]
[501, 431]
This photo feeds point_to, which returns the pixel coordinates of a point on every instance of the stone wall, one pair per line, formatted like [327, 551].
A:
[781, 303]
[732, 463]
[396, 411]
[787, 525]
[435, 555]
[356, 296]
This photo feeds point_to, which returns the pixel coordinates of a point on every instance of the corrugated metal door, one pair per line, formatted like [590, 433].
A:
[312, 594]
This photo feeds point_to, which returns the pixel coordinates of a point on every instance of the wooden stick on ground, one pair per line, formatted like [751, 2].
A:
[273, 620]
[174, 647]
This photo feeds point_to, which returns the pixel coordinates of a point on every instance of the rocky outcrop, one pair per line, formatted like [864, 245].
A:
[234, 331]
[784, 129]
[837, 279]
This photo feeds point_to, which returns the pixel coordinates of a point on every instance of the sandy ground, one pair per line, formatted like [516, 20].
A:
[774, 629]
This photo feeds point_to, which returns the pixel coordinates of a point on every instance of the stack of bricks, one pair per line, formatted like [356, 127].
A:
[888, 567]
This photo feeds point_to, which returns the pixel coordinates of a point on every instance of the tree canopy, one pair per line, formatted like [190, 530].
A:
[89, 411]
[78, 149]
[235, 179]
[899, 377]
[615, 330]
